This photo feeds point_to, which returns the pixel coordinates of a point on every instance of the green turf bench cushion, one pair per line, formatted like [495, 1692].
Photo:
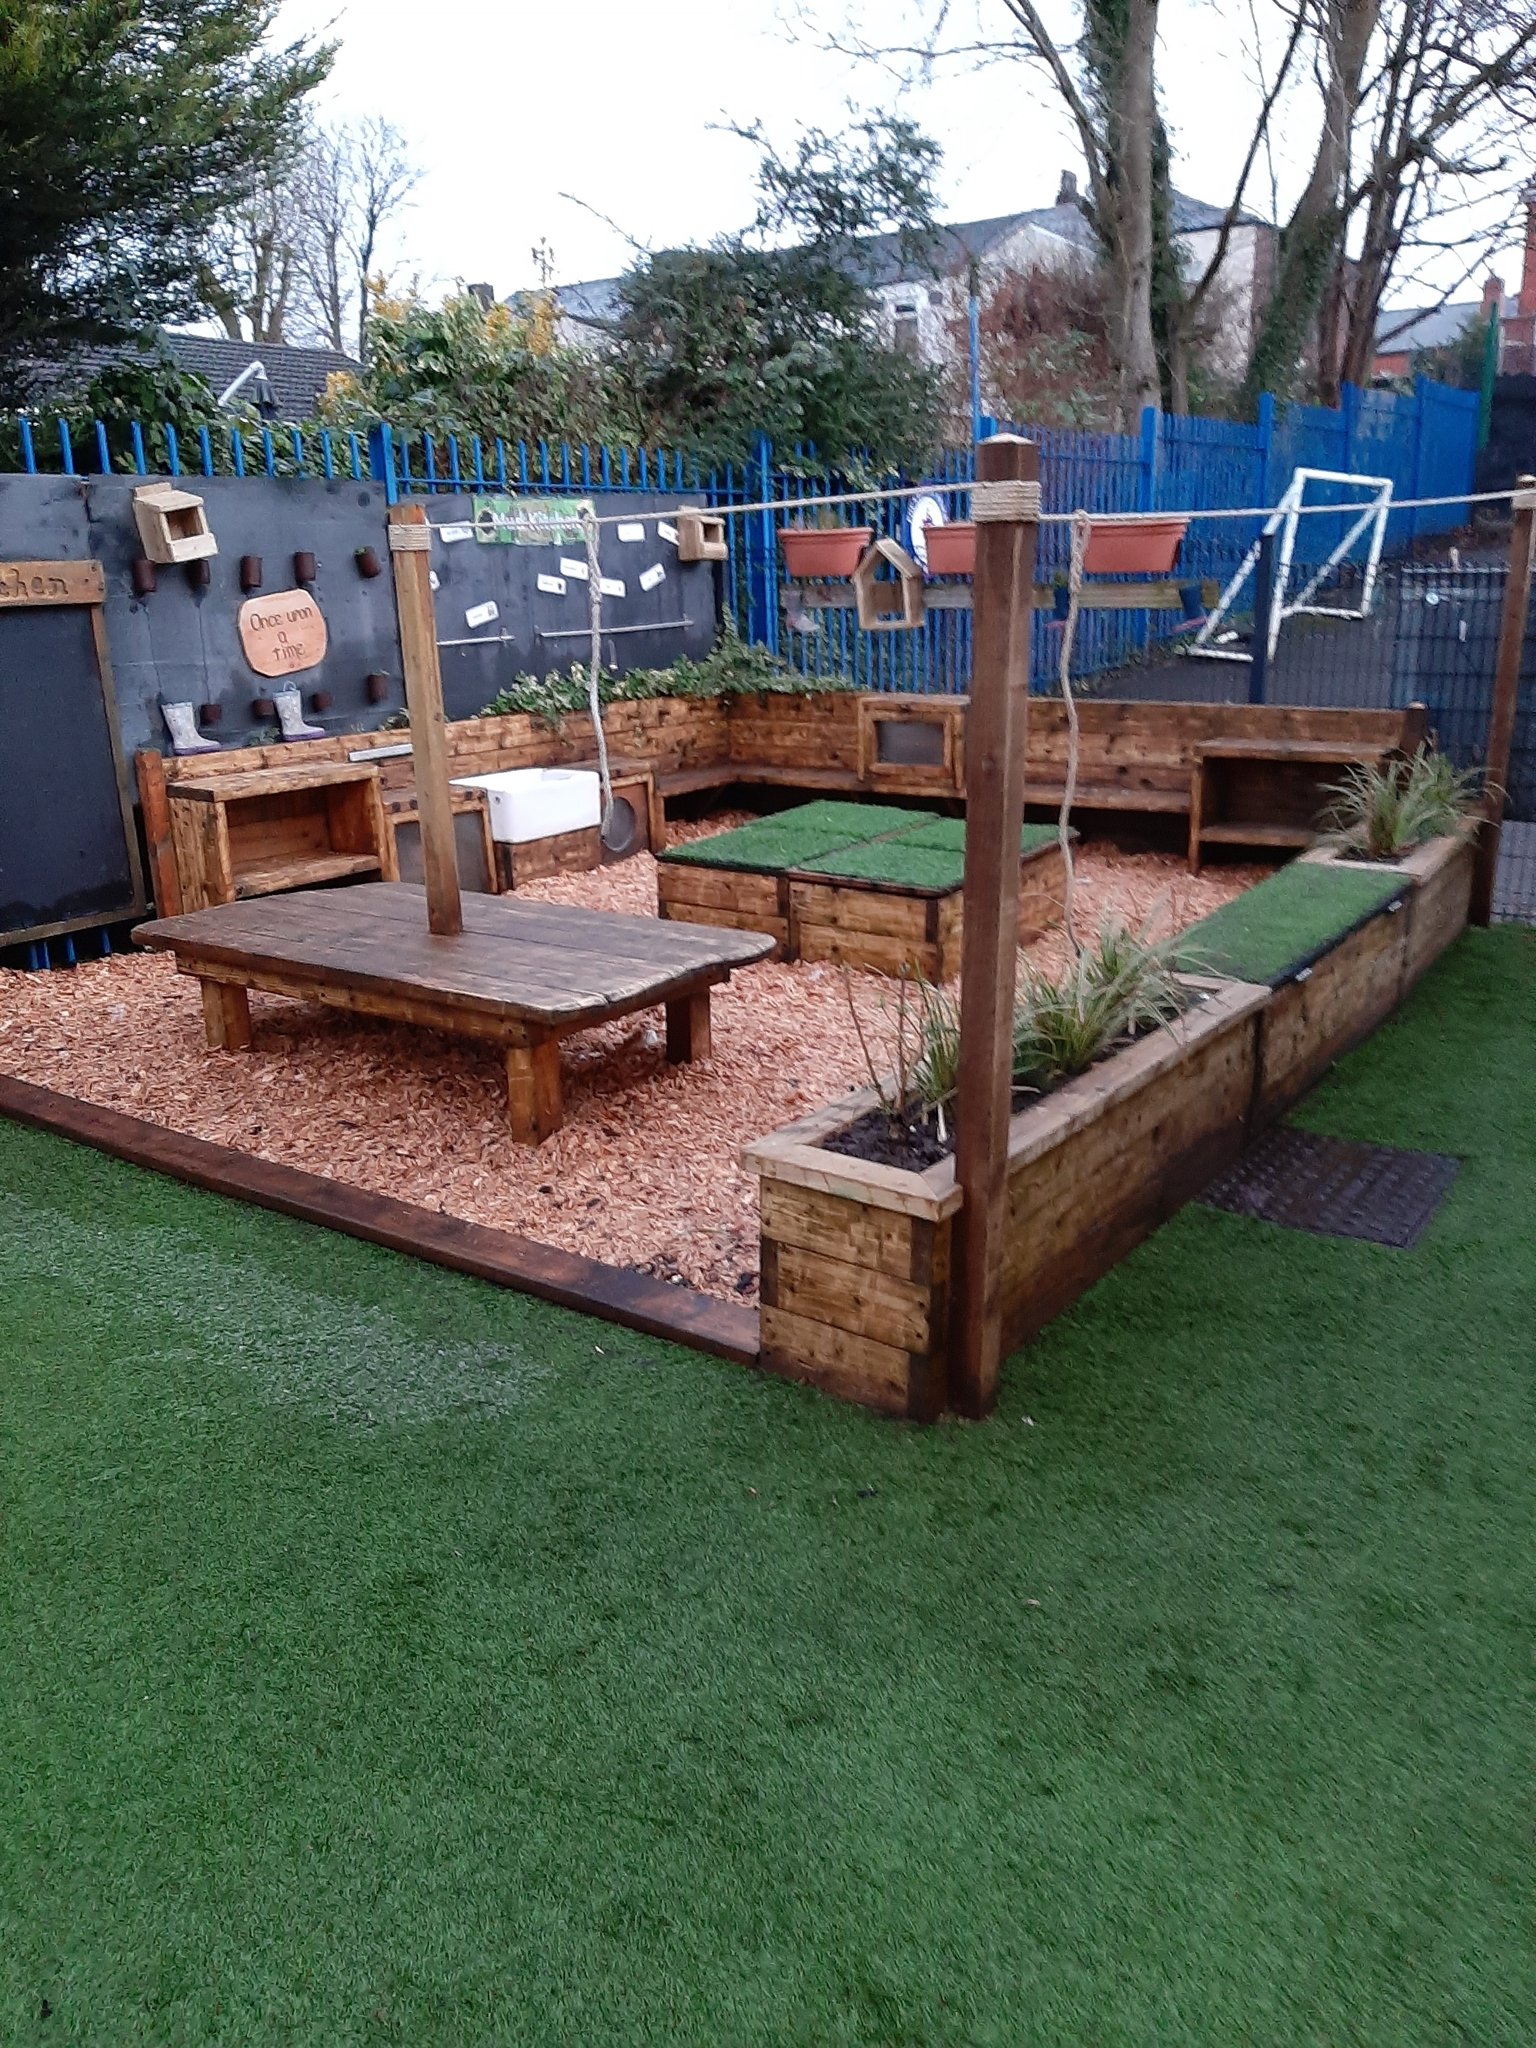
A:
[1273, 930]
[948, 835]
[792, 838]
[894, 861]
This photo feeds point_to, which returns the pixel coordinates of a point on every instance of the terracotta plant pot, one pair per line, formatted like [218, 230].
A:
[813, 551]
[952, 549]
[1133, 547]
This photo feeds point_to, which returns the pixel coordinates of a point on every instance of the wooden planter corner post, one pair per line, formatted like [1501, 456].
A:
[1506, 696]
[410, 547]
[1006, 498]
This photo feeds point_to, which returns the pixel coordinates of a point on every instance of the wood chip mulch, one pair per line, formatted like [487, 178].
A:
[644, 1172]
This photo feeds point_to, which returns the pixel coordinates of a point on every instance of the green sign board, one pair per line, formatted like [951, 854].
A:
[530, 522]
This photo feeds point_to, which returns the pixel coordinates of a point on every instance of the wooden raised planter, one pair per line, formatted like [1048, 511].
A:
[877, 927]
[856, 1257]
[1314, 1019]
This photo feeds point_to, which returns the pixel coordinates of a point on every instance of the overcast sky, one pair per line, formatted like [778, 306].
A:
[508, 107]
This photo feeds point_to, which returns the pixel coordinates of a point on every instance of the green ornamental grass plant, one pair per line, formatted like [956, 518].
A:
[1384, 812]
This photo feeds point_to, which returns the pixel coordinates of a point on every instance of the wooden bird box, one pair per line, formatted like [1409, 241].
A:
[701, 537]
[874, 593]
[173, 524]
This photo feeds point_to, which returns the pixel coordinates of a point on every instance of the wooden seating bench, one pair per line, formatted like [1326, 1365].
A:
[1268, 793]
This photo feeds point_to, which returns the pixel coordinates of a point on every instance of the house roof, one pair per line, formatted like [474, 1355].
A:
[297, 376]
[959, 243]
[1407, 329]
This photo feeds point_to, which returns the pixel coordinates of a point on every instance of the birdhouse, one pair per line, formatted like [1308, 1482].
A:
[173, 524]
[888, 604]
[701, 537]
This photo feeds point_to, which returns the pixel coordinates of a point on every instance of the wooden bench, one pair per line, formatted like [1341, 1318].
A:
[257, 831]
[520, 975]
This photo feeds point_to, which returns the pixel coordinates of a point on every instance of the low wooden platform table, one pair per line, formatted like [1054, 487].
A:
[521, 976]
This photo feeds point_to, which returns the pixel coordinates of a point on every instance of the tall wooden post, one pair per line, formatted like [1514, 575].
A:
[410, 547]
[1506, 696]
[1006, 512]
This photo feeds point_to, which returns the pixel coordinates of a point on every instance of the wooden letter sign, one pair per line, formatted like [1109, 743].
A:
[282, 634]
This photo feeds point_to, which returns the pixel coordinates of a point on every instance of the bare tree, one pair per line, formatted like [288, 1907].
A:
[252, 262]
[293, 263]
[1441, 153]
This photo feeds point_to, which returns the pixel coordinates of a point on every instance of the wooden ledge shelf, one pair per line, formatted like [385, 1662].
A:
[306, 874]
[257, 832]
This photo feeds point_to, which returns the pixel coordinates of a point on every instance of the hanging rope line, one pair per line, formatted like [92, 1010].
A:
[589, 525]
[1081, 527]
[495, 523]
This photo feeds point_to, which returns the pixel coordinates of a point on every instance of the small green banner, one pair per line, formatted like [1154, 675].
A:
[530, 522]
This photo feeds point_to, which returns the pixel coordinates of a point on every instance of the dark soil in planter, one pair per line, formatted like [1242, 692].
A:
[911, 1141]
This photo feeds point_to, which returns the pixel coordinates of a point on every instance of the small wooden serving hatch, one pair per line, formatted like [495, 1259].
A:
[277, 828]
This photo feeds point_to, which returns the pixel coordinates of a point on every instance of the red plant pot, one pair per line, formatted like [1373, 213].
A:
[813, 551]
[952, 548]
[1133, 547]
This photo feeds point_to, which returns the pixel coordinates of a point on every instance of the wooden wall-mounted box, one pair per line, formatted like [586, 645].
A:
[873, 594]
[173, 524]
[701, 537]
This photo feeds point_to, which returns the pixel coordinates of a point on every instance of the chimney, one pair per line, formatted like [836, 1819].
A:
[1528, 272]
[485, 293]
[1067, 193]
[1493, 294]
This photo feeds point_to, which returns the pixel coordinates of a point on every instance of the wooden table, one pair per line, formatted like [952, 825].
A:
[520, 975]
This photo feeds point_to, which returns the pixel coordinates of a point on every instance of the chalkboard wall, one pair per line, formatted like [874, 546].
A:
[180, 644]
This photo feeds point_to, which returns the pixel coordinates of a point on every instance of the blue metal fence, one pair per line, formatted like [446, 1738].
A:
[1425, 441]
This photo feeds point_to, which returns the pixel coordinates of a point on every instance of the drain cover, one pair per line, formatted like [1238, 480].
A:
[1334, 1188]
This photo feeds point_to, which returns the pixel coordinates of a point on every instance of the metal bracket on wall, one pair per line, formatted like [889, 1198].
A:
[609, 632]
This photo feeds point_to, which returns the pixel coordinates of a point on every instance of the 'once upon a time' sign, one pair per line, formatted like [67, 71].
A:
[283, 634]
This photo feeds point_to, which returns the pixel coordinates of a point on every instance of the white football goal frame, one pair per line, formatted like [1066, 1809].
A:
[1284, 520]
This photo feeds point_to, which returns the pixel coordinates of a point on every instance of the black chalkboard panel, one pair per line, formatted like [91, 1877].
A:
[67, 857]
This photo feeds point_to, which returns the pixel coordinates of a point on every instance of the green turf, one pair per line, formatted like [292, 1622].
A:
[791, 838]
[895, 861]
[948, 835]
[389, 1659]
[1285, 920]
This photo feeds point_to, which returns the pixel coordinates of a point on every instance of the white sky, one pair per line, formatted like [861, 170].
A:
[507, 107]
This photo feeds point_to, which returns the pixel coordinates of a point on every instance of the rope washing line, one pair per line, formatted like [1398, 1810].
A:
[496, 523]
[992, 502]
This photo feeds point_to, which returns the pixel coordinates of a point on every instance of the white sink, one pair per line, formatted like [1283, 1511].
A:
[536, 803]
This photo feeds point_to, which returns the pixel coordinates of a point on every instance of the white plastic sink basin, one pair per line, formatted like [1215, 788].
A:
[536, 803]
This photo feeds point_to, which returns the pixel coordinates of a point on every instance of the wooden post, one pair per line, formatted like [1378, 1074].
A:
[994, 808]
[410, 547]
[1506, 697]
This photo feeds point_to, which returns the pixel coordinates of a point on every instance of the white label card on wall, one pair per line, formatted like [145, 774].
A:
[481, 614]
[433, 579]
[611, 586]
[631, 529]
[649, 578]
[667, 530]
[452, 533]
[553, 585]
[577, 571]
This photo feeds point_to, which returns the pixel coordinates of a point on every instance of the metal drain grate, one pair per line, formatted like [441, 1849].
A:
[1334, 1188]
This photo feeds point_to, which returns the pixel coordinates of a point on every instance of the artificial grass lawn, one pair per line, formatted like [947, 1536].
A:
[391, 1659]
[1285, 921]
[790, 838]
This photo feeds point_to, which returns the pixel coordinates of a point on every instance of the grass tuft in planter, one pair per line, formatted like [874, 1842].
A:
[1383, 812]
[1117, 989]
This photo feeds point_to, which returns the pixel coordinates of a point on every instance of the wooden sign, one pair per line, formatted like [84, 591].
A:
[32, 583]
[282, 634]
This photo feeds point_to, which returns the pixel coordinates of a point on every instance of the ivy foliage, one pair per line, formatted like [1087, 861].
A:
[732, 668]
